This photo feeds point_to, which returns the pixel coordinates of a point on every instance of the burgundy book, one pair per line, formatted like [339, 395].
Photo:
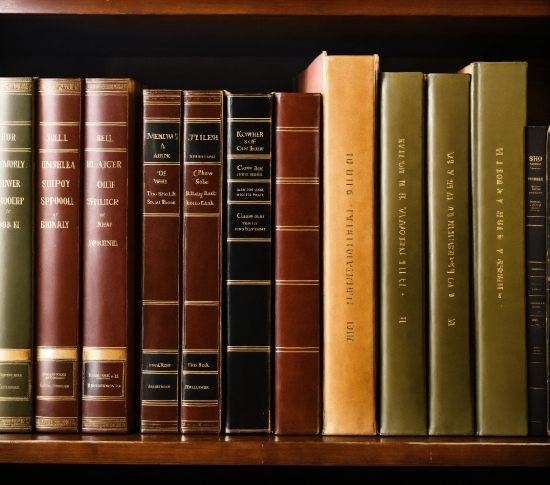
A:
[160, 260]
[58, 249]
[109, 263]
[202, 256]
[297, 311]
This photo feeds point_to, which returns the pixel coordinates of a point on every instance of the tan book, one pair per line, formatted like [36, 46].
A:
[348, 86]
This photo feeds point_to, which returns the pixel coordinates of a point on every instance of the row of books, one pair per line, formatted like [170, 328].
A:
[422, 262]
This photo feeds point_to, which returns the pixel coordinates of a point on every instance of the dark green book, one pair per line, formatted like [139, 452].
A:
[498, 119]
[16, 253]
[403, 406]
[451, 406]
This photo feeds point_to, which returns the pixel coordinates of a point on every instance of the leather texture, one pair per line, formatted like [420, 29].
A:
[58, 254]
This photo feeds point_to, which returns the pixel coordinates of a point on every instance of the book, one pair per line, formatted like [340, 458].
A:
[297, 273]
[536, 207]
[110, 276]
[58, 254]
[161, 242]
[498, 119]
[451, 405]
[348, 85]
[403, 318]
[202, 276]
[248, 264]
[17, 97]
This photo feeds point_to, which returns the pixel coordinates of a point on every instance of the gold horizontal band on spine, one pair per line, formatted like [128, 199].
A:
[248, 157]
[15, 355]
[249, 282]
[23, 424]
[160, 302]
[15, 123]
[202, 120]
[65, 423]
[59, 123]
[199, 403]
[199, 214]
[201, 372]
[160, 214]
[16, 85]
[107, 149]
[255, 431]
[15, 150]
[250, 239]
[57, 353]
[106, 123]
[59, 150]
[53, 398]
[103, 423]
[160, 351]
[248, 348]
[163, 403]
[161, 120]
[242, 202]
[98, 354]
[200, 351]
[159, 372]
[201, 303]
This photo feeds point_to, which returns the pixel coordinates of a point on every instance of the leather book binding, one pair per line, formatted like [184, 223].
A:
[348, 86]
[202, 262]
[16, 253]
[249, 263]
[58, 254]
[160, 259]
[110, 276]
[297, 247]
[451, 404]
[403, 386]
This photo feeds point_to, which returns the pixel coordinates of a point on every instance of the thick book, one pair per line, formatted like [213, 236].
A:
[160, 260]
[297, 272]
[110, 276]
[498, 118]
[450, 373]
[348, 85]
[249, 264]
[58, 254]
[403, 318]
[202, 275]
[17, 97]
[536, 207]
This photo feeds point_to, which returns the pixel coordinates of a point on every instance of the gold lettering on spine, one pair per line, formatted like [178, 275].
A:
[402, 221]
[451, 264]
[350, 326]
[499, 219]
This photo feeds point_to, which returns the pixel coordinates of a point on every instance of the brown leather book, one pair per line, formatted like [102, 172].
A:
[109, 263]
[297, 311]
[160, 260]
[202, 256]
[58, 255]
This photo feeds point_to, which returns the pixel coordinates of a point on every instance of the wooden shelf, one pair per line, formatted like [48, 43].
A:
[272, 450]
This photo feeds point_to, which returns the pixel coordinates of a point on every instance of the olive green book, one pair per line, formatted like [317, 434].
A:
[403, 380]
[16, 253]
[450, 383]
[498, 119]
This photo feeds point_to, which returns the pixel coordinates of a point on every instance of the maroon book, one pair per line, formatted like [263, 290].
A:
[58, 255]
[297, 299]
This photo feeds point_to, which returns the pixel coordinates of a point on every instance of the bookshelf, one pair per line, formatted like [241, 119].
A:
[245, 45]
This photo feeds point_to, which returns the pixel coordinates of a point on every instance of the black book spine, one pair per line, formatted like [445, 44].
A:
[535, 256]
[248, 268]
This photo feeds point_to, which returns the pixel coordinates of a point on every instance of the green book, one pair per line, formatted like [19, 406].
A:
[403, 402]
[451, 406]
[16, 253]
[498, 119]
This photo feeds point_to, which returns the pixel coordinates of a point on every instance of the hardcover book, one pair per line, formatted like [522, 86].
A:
[110, 277]
[16, 253]
[249, 260]
[160, 288]
[348, 85]
[202, 275]
[297, 292]
[58, 254]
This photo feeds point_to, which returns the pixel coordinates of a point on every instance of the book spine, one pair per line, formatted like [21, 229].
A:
[451, 405]
[547, 284]
[108, 259]
[297, 295]
[248, 268]
[16, 253]
[498, 119]
[160, 289]
[536, 179]
[58, 250]
[403, 386]
[202, 262]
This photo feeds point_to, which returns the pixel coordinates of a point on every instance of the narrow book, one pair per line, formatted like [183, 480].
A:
[58, 254]
[110, 282]
[451, 405]
[403, 380]
[202, 275]
[348, 85]
[297, 297]
[16, 253]
[498, 118]
[248, 267]
[536, 206]
[160, 259]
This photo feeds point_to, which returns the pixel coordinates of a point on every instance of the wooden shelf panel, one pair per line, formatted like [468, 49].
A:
[272, 450]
